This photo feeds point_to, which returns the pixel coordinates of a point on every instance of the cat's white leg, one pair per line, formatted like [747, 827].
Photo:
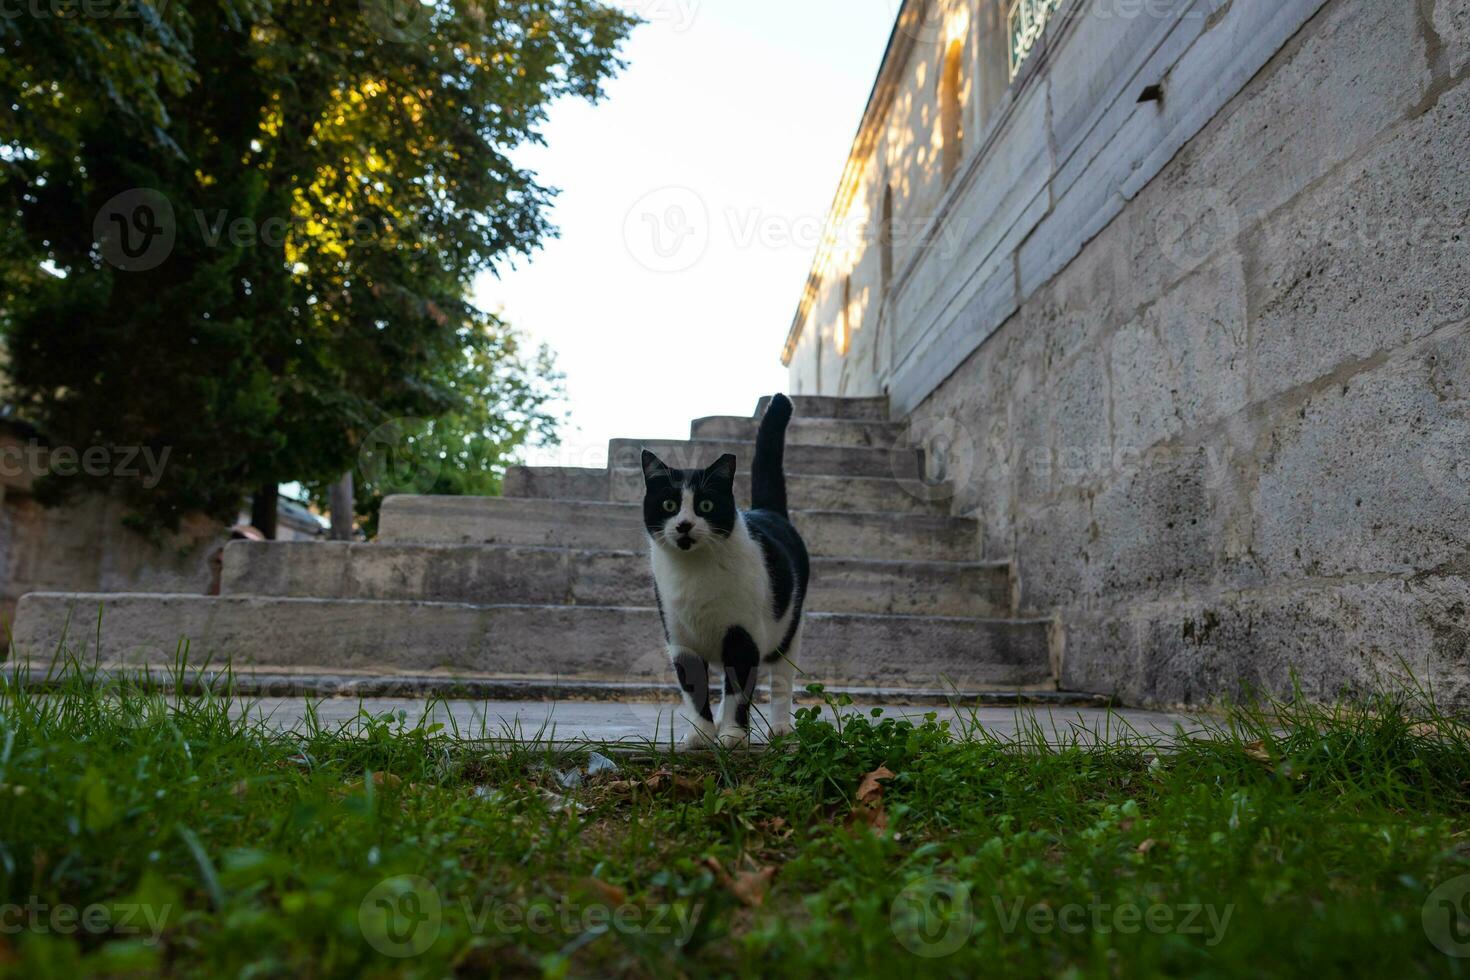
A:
[783, 685]
[692, 670]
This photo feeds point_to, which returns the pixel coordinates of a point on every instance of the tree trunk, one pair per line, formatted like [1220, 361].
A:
[342, 504]
[263, 510]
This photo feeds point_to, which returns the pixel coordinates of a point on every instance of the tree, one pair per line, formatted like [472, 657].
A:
[260, 223]
[505, 396]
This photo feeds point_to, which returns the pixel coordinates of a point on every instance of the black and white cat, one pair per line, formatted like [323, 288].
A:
[729, 583]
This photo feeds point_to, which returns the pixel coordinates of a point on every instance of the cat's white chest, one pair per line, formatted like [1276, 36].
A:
[704, 596]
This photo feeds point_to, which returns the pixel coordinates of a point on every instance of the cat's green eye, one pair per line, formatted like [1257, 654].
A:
[671, 507]
[705, 506]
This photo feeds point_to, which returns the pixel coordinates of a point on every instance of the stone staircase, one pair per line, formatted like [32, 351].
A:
[549, 586]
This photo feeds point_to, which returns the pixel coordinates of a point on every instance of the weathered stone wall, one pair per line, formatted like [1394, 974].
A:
[1227, 437]
[85, 547]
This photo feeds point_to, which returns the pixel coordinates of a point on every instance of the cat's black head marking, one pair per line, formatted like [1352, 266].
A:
[683, 509]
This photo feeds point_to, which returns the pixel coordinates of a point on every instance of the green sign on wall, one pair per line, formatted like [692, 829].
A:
[1027, 20]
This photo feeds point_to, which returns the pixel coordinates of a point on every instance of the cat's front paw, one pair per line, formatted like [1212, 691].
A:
[698, 739]
[779, 728]
[732, 738]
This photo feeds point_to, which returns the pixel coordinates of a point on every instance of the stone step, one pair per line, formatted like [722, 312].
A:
[862, 493]
[555, 483]
[902, 464]
[859, 493]
[308, 682]
[585, 642]
[827, 407]
[805, 432]
[619, 527]
[516, 575]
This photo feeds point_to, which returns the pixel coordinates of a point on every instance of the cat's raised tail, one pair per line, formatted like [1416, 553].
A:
[767, 476]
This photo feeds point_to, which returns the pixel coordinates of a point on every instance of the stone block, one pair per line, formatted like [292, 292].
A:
[563, 482]
[1368, 261]
[1335, 640]
[1370, 475]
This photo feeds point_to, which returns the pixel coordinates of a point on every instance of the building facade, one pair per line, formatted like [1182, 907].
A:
[1176, 296]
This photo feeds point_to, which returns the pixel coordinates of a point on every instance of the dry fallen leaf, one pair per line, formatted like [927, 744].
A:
[868, 809]
[1147, 846]
[748, 886]
[1257, 750]
[751, 886]
[775, 826]
[663, 778]
[684, 785]
[609, 894]
[873, 816]
[388, 778]
[870, 790]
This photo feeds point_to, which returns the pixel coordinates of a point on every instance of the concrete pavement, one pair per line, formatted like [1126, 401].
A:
[636, 722]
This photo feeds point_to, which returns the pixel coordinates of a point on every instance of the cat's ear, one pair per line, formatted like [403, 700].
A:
[653, 467]
[723, 469]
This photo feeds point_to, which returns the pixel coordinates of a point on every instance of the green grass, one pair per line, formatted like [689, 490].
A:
[1295, 841]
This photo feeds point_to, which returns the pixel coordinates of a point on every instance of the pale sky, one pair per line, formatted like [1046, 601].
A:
[692, 200]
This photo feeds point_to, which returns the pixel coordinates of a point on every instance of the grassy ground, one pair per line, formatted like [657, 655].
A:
[140, 835]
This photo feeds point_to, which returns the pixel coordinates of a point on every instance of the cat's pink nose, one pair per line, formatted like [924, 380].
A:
[685, 527]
